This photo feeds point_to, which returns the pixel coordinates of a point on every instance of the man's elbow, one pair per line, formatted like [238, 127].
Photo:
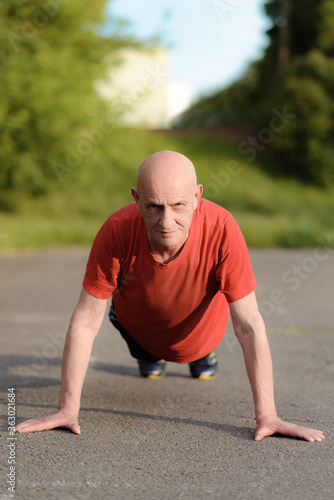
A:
[87, 318]
[249, 329]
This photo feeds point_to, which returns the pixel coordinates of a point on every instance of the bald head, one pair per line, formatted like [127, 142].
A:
[168, 168]
[167, 195]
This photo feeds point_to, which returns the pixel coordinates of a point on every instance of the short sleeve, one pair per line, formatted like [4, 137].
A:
[234, 273]
[102, 267]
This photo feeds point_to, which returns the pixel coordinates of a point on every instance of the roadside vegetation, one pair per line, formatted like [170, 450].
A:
[65, 163]
[272, 210]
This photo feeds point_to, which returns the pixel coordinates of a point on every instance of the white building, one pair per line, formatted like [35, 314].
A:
[142, 91]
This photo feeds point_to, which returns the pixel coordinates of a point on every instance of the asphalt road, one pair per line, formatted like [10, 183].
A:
[177, 437]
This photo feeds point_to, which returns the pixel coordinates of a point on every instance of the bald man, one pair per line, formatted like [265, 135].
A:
[175, 266]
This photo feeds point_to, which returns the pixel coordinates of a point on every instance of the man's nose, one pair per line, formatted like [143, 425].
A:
[166, 219]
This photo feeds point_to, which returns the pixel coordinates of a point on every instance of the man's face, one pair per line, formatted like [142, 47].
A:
[167, 208]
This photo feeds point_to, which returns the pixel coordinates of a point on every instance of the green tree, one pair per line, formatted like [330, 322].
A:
[51, 54]
[296, 74]
[300, 76]
[306, 145]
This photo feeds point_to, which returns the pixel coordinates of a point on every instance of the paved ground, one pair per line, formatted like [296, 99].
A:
[178, 437]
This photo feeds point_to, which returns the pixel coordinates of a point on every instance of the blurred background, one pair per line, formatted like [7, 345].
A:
[244, 88]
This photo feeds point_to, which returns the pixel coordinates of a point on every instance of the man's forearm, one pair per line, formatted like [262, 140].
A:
[251, 332]
[85, 323]
[259, 369]
[76, 355]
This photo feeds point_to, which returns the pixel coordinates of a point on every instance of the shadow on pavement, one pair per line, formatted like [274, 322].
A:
[234, 430]
[29, 371]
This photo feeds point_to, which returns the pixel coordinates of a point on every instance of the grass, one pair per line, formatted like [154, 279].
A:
[272, 210]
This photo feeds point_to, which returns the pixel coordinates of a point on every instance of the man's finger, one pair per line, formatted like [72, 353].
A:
[264, 432]
[35, 426]
[75, 428]
[310, 435]
[288, 429]
[258, 437]
[30, 425]
[48, 423]
[46, 426]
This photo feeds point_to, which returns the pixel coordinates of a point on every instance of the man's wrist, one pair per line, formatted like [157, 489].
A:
[265, 415]
[70, 409]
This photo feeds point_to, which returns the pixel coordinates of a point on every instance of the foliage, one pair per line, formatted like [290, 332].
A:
[271, 211]
[296, 73]
[308, 93]
[304, 84]
[51, 53]
[228, 106]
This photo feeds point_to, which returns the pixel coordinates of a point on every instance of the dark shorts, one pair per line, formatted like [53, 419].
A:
[136, 350]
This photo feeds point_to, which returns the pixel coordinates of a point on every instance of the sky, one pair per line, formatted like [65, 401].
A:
[211, 41]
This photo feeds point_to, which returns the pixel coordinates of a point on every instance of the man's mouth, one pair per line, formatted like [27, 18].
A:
[167, 233]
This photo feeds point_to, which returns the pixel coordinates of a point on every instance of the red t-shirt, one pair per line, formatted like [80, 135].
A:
[176, 311]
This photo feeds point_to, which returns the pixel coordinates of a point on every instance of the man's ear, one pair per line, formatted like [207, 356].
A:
[198, 194]
[134, 192]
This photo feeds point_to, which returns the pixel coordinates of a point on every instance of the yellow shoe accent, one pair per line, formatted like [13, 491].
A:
[206, 377]
[156, 377]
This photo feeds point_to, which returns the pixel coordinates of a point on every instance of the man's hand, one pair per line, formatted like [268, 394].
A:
[62, 418]
[251, 332]
[84, 325]
[267, 426]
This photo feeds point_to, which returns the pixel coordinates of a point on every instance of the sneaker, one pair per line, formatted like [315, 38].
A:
[152, 371]
[204, 368]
